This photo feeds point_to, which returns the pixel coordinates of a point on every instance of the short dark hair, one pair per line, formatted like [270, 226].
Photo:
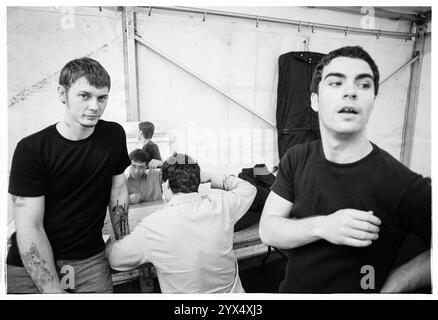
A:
[183, 173]
[147, 129]
[350, 52]
[88, 68]
[138, 155]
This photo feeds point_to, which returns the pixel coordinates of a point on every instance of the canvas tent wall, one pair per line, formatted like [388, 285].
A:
[236, 56]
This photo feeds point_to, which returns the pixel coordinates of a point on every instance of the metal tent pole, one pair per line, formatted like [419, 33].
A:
[312, 25]
[411, 106]
[203, 80]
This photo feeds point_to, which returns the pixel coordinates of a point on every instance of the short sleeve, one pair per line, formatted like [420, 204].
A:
[123, 156]
[155, 177]
[159, 176]
[284, 184]
[239, 196]
[27, 177]
[156, 152]
[152, 149]
[414, 214]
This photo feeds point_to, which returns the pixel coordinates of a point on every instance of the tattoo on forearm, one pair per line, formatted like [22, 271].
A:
[121, 226]
[37, 267]
[18, 202]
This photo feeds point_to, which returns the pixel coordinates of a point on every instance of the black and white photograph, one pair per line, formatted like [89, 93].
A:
[229, 150]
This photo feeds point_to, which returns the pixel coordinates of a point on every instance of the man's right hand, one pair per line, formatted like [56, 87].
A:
[350, 227]
[134, 198]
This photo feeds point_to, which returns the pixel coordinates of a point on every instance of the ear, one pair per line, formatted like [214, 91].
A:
[372, 107]
[62, 94]
[166, 186]
[314, 101]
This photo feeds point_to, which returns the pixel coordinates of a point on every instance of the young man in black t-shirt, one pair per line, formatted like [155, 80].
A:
[342, 206]
[61, 181]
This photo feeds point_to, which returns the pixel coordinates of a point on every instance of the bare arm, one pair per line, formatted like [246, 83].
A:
[344, 227]
[119, 206]
[279, 231]
[409, 276]
[34, 246]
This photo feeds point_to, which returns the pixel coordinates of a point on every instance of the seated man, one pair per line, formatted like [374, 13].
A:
[190, 240]
[146, 132]
[143, 185]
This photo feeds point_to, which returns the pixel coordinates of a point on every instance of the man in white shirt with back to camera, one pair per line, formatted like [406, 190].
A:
[190, 240]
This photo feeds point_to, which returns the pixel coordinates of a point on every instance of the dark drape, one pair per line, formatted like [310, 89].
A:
[296, 121]
[262, 179]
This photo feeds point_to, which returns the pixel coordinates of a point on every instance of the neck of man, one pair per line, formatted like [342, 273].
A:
[345, 148]
[169, 196]
[73, 131]
[144, 140]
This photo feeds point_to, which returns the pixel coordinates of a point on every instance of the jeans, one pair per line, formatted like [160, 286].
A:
[90, 275]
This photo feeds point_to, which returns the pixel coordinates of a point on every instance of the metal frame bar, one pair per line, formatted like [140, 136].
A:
[203, 80]
[346, 29]
[415, 58]
[412, 103]
[130, 62]
[382, 12]
[130, 37]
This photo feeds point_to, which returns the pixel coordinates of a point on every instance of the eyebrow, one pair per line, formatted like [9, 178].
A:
[363, 76]
[341, 75]
[89, 93]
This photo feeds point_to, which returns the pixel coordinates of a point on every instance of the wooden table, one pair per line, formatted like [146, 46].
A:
[136, 213]
[247, 242]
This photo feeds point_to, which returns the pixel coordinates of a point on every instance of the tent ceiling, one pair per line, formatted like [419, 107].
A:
[394, 13]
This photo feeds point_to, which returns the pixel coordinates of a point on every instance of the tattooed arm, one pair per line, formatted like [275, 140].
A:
[118, 206]
[34, 246]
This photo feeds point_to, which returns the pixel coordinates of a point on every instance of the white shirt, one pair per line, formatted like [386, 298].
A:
[190, 240]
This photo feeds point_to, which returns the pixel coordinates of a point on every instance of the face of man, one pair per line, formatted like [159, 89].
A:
[137, 169]
[85, 103]
[346, 96]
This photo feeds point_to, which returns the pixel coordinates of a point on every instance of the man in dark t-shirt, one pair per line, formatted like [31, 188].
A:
[61, 181]
[341, 207]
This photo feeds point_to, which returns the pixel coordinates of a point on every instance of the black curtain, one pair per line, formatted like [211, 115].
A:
[296, 121]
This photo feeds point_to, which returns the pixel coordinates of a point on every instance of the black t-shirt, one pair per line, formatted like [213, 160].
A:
[152, 149]
[378, 183]
[75, 178]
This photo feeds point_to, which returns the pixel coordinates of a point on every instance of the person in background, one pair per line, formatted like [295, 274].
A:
[190, 240]
[146, 132]
[143, 184]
